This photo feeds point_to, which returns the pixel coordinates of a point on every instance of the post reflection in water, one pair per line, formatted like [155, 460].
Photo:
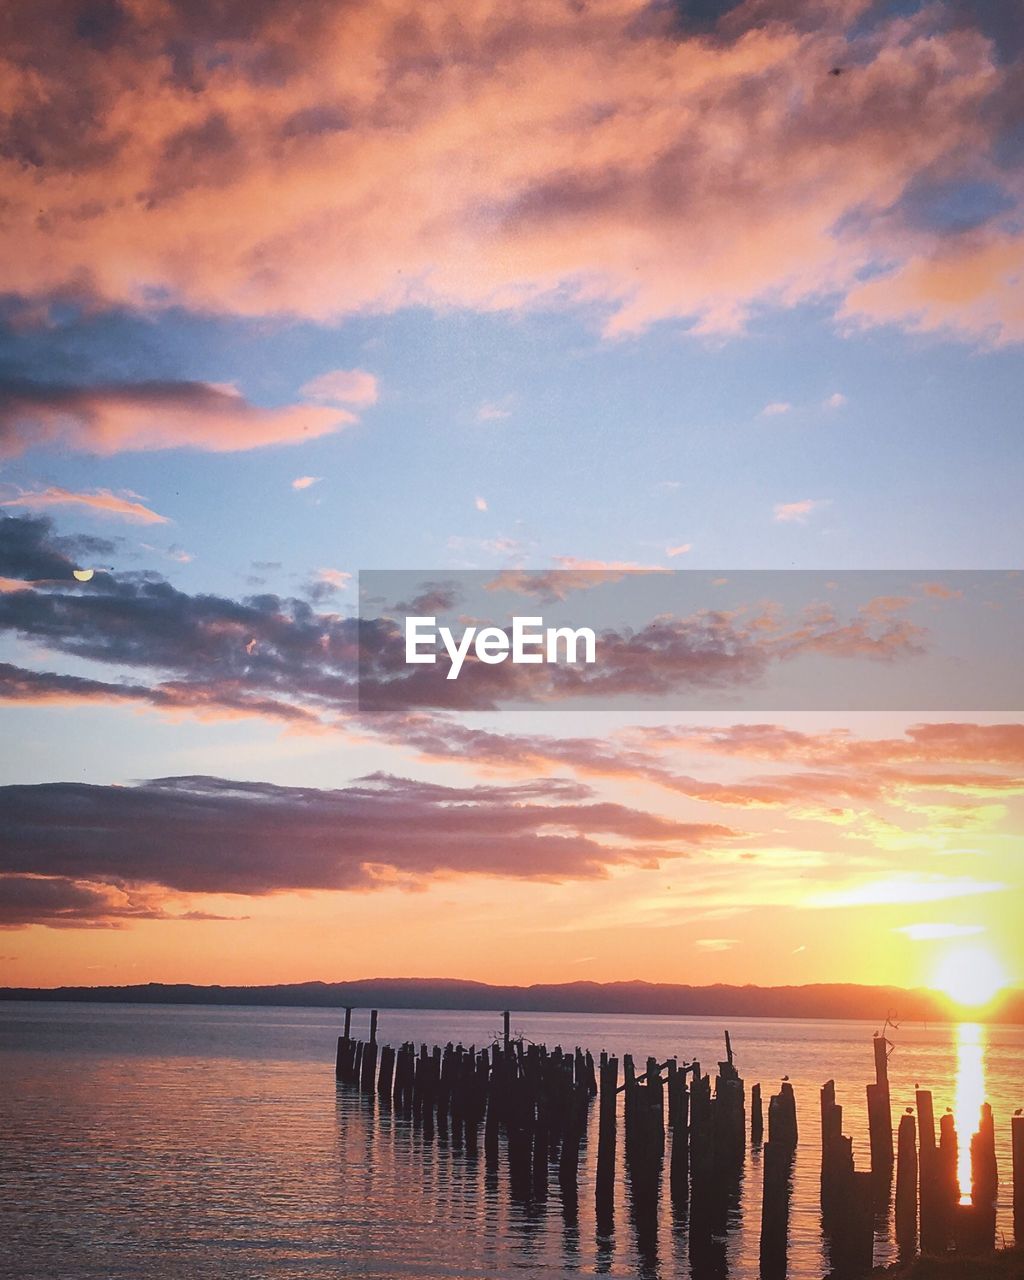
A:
[970, 1094]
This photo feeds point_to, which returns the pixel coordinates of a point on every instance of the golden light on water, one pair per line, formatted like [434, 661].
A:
[971, 975]
[970, 1094]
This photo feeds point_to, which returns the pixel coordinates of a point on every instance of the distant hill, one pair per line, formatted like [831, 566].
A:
[823, 1000]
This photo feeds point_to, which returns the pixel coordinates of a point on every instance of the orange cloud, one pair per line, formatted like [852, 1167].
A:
[102, 500]
[108, 418]
[392, 158]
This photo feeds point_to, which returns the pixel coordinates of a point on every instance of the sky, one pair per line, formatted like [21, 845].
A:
[295, 291]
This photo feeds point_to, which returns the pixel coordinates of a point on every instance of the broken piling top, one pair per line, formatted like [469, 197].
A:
[727, 1069]
[881, 1048]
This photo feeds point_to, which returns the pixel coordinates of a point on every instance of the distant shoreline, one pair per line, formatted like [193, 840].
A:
[830, 1002]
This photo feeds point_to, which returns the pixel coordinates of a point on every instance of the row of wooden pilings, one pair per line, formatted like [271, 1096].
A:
[933, 1214]
[538, 1101]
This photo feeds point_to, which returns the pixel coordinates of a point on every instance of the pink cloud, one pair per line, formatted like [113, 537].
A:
[796, 512]
[343, 386]
[679, 550]
[651, 171]
[337, 578]
[102, 501]
[130, 416]
[305, 482]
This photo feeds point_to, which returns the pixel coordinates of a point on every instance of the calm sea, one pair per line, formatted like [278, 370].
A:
[161, 1142]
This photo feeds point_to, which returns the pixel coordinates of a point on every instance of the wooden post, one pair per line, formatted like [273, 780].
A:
[834, 1165]
[387, 1066]
[348, 1023]
[782, 1126]
[655, 1098]
[368, 1066]
[880, 1113]
[1017, 1127]
[679, 1168]
[984, 1180]
[947, 1172]
[881, 1048]
[933, 1236]
[775, 1210]
[506, 1018]
[756, 1116]
[906, 1186]
[606, 1139]
[373, 1026]
[880, 1131]
[861, 1237]
[672, 1070]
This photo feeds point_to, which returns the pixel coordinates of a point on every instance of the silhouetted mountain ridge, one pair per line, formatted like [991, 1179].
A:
[815, 1000]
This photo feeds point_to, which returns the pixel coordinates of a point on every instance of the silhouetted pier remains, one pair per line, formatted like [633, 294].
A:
[533, 1104]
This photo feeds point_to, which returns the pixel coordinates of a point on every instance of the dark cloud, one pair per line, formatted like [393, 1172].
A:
[62, 903]
[219, 699]
[29, 549]
[281, 653]
[105, 417]
[199, 835]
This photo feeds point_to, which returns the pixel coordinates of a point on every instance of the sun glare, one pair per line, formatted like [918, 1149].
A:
[972, 976]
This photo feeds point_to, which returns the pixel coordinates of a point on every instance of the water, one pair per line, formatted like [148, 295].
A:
[185, 1142]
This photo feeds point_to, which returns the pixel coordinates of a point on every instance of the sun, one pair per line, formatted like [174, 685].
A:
[971, 976]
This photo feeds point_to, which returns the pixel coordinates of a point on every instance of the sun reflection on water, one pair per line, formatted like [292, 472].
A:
[970, 1094]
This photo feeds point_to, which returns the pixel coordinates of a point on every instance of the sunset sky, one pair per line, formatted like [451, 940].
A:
[295, 290]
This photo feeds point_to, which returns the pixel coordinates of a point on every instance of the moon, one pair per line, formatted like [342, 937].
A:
[83, 575]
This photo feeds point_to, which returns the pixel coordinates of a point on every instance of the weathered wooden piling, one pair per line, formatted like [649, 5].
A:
[1017, 1145]
[679, 1166]
[702, 1150]
[777, 1160]
[387, 1067]
[782, 1125]
[506, 1019]
[984, 1184]
[860, 1233]
[880, 1113]
[933, 1227]
[341, 1059]
[906, 1186]
[974, 1224]
[833, 1149]
[947, 1176]
[606, 1141]
[348, 1023]
[756, 1116]
[729, 1113]
[368, 1058]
